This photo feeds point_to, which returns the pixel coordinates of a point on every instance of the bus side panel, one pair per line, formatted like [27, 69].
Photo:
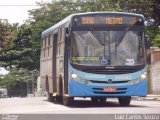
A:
[46, 64]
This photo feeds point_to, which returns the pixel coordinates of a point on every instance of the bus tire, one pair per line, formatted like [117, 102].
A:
[124, 101]
[68, 101]
[58, 99]
[50, 98]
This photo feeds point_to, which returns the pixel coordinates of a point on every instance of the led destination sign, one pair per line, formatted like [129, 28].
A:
[108, 20]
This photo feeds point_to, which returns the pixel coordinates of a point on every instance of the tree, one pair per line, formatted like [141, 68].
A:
[19, 53]
[18, 82]
[5, 34]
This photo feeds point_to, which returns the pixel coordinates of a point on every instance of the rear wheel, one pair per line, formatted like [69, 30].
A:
[58, 99]
[124, 101]
[50, 98]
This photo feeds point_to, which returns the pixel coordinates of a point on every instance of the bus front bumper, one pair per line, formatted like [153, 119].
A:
[77, 89]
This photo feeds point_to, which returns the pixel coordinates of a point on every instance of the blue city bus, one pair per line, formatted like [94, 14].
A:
[95, 54]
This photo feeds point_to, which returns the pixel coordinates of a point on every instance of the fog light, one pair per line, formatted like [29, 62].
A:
[85, 81]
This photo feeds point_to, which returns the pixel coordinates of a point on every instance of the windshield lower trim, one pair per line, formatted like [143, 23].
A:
[108, 69]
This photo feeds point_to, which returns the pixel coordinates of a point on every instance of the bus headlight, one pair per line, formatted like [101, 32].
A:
[78, 79]
[141, 78]
[74, 75]
[144, 75]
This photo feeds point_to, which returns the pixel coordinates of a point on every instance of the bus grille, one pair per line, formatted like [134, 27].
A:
[106, 82]
[110, 71]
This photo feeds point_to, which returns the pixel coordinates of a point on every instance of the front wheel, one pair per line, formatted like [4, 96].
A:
[124, 101]
[67, 101]
[50, 98]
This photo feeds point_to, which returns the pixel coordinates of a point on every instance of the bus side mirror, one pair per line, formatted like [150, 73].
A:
[67, 41]
[67, 36]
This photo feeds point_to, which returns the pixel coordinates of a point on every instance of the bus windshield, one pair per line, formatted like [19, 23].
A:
[112, 48]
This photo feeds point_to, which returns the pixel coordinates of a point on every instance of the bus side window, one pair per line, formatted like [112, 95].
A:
[49, 42]
[44, 47]
[58, 41]
[62, 41]
[66, 32]
[55, 38]
[61, 36]
[42, 40]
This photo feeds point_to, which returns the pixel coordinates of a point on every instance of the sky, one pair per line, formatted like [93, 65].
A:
[14, 12]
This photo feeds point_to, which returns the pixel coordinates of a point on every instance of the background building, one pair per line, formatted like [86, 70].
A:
[155, 71]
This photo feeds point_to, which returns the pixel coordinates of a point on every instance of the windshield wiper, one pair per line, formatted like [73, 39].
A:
[122, 36]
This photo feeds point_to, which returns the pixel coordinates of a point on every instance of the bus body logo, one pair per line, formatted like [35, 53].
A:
[109, 81]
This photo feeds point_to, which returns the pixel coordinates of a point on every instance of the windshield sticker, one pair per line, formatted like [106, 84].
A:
[129, 62]
[104, 60]
[85, 58]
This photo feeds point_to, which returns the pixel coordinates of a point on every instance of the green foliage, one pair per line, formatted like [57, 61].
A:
[137, 6]
[156, 41]
[22, 52]
[16, 82]
[5, 35]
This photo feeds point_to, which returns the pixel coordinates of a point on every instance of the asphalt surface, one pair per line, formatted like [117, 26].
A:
[39, 105]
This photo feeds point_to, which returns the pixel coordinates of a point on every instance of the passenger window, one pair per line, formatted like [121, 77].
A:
[49, 40]
[45, 42]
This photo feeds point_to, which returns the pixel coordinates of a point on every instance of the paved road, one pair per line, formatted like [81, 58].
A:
[41, 106]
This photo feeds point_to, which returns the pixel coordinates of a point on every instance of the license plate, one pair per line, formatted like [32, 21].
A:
[109, 89]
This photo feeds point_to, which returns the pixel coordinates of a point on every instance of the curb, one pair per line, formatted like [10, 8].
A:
[148, 97]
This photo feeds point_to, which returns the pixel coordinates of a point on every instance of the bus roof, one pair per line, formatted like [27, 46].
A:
[67, 19]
